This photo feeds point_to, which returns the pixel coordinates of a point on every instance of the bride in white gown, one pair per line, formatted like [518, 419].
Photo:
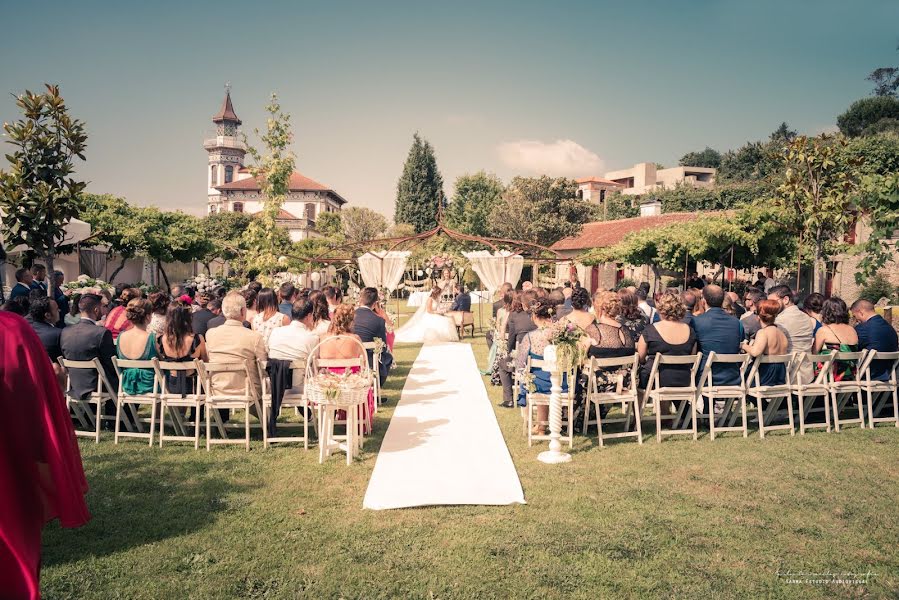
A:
[427, 325]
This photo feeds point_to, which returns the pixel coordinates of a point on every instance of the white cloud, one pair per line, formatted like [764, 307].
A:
[560, 158]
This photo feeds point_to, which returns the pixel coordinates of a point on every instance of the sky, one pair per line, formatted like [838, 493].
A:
[563, 88]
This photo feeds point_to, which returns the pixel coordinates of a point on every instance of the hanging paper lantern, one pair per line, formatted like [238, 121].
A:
[316, 277]
[419, 273]
[428, 270]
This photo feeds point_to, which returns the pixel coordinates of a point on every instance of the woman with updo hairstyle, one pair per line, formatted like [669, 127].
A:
[137, 343]
[580, 310]
[341, 343]
[532, 346]
[631, 317]
[671, 337]
[117, 321]
[769, 340]
[250, 294]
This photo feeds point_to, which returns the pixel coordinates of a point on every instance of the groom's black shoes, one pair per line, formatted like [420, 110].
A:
[506, 404]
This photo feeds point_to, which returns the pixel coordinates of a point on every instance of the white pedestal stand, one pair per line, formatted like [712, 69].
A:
[554, 455]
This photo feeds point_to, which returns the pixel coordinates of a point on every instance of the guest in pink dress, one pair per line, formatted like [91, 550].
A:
[334, 347]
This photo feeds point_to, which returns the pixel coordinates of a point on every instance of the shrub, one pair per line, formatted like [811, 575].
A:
[877, 287]
[626, 282]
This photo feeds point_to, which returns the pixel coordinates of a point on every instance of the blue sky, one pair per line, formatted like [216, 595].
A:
[568, 88]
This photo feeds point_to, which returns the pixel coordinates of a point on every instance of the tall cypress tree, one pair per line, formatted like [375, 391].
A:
[420, 189]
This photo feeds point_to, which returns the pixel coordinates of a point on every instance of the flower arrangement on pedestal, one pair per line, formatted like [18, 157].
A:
[204, 284]
[567, 338]
[85, 284]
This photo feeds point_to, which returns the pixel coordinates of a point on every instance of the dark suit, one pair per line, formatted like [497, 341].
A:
[877, 334]
[721, 333]
[496, 306]
[286, 308]
[200, 321]
[519, 324]
[20, 289]
[49, 337]
[462, 303]
[86, 341]
[368, 326]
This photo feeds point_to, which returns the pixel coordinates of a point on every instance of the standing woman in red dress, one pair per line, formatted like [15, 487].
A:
[41, 477]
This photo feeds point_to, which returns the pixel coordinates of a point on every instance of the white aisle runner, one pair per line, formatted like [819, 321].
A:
[443, 445]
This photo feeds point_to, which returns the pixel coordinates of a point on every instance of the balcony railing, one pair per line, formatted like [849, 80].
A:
[224, 141]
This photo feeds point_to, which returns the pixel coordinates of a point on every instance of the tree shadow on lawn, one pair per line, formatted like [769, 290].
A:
[136, 499]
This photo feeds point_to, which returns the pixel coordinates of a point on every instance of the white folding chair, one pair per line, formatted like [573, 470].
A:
[355, 427]
[684, 395]
[624, 396]
[215, 398]
[841, 392]
[374, 365]
[535, 399]
[293, 398]
[879, 392]
[172, 403]
[728, 394]
[136, 400]
[776, 396]
[90, 419]
[808, 393]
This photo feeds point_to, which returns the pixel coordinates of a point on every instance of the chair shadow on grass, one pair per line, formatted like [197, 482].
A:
[136, 499]
[409, 433]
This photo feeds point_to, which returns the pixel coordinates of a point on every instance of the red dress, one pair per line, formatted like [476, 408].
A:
[117, 322]
[41, 477]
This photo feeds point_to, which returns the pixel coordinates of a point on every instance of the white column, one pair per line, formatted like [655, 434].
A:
[554, 455]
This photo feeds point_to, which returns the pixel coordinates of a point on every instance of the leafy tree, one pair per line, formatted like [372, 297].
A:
[886, 80]
[879, 200]
[817, 192]
[361, 223]
[867, 112]
[875, 155]
[622, 206]
[541, 209]
[329, 224]
[783, 134]
[756, 161]
[224, 230]
[475, 197]
[38, 193]
[709, 158]
[115, 224]
[419, 191]
[399, 230]
[264, 240]
[171, 237]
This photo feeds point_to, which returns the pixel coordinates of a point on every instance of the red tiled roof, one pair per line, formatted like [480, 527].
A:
[284, 215]
[298, 183]
[227, 111]
[598, 180]
[602, 234]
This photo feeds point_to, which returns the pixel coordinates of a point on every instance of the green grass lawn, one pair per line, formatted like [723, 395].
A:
[680, 519]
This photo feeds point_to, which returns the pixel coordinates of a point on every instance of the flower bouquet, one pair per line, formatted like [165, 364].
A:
[85, 284]
[204, 284]
[566, 337]
[444, 260]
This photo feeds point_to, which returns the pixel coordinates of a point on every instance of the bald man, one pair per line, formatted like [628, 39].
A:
[874, 333]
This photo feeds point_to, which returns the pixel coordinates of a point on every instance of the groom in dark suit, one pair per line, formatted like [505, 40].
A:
[368, 326]
[462, 303]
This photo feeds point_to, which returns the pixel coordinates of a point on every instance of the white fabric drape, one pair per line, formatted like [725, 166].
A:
[497, 268]
[383, 269]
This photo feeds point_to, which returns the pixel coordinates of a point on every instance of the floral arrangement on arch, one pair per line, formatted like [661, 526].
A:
[443, 260]
[86, 284]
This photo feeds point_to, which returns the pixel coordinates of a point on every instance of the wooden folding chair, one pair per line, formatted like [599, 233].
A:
[684, 395]
[171, 403]
[90, 419]
[729, 394]
[775, 395]
[841, 392]
[137, 400]
[293, 398]
[535, 399]
[879, 392]
[463, 319]
[624, 396]
[216, 399]
[808, 393]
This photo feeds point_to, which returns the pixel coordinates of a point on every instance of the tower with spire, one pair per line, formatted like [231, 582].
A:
[226, 152]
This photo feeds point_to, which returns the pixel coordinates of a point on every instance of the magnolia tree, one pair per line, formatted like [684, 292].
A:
[38, 193]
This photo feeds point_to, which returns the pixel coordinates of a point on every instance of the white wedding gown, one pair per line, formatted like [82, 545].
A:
[427, 327]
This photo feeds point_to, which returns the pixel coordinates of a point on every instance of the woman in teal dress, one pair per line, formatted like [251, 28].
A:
[137, 343]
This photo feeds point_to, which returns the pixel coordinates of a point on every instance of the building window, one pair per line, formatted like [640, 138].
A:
[212, 179]
[580, 194]
[238, 207]
[310, 211]
[229, 174]
[212, 210]
[602, 195]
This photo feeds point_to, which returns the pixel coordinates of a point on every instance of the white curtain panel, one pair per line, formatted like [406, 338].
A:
[393, 263]
[496, 268]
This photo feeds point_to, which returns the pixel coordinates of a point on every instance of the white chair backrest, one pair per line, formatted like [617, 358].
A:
[125, 363]
[877, 355]
[315, 363]
[665, 359]
[632, 362]
[705, 379]
[841, 358]
[210, 369]
[769, 359]
[164, 367]
[103, 382]
[821, 362]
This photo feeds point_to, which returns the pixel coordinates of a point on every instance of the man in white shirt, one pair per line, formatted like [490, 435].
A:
[644, 306]
[295, 341]
[798, 327]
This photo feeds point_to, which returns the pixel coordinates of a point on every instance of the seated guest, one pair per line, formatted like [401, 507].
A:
[836, 335]
[18, 305]
[738, 308]
[517, 325]
[24, 278]
[250, 293]
[768, 340]
[116, 321]
[62, 301]
[335, 345]
[232, 342]
[321, 314]
[294, 342]
[526, 286]
[689, 300]
[718, 332]
[532, 346]
[287, 294]
[73, 316]
[503, 290]
[87, 340]
[203, 314]
[874, 333]
[558, 301]
[137, 343]
[631, 317]
[178, 343]
[368, 326]
[160, 302]
[580, 304]
[462, 301]
[215, 307]
[750, 320]
[43, 314]
[798, 327]
[334, 297]
[812, 307]
[267, 316]
[566, 294]
[671, 337]
[648, 311]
